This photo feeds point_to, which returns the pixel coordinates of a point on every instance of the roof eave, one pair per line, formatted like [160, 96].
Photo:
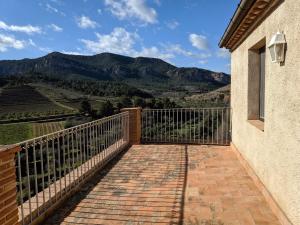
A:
[239, 14]
[248, 15]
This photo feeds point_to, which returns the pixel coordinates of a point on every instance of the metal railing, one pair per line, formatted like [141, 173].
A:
[190, 126]
[50, 166]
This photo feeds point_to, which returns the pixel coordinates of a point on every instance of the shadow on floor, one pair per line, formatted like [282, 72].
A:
[140, 186]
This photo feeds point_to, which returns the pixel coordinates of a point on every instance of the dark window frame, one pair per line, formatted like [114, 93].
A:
[262, 73]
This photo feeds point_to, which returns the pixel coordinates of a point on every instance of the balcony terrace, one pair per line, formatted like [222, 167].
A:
[100, 173]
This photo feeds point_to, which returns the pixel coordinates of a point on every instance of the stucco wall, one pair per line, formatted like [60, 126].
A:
[274, 153]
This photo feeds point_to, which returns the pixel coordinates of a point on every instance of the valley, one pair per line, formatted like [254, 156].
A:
[39, 96]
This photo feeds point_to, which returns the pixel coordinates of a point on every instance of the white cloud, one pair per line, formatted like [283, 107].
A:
[31, 42]
[199, 41]
[45, 49]
[172, 24]
[118, 41]
[50, 8]
[99, 11]
[10, 42]
[154, 52]
[203, 62]
[223, 53]
[72, 53]
[121, 41]
[177, 49]
[128, 9]
[55, 28]
[28, 29]
[85, 22]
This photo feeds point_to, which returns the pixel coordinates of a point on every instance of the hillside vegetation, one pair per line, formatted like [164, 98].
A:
[138, 72]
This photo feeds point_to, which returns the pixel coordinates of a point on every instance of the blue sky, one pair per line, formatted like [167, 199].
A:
[183, 32]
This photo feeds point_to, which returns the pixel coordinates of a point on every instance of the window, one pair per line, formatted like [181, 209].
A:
[256, 83]
[262, 55]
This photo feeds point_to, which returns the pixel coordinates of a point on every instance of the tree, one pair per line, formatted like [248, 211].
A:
[106, 109]
[168, 104]
[125, 102]
[85, 106]
[139, 102]
[150, 103]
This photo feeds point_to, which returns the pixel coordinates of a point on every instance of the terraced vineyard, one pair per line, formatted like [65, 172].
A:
[69, 98]
[26, 102]
[40, 129]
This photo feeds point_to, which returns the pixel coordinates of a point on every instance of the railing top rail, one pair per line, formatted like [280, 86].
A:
[194, 108]
[78, 127]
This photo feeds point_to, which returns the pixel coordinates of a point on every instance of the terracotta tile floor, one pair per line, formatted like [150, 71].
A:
[169, 184]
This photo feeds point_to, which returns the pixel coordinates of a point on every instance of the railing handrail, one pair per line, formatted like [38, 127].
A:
[190, 108]
[77, 127]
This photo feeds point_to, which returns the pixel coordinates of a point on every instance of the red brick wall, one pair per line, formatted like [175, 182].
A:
[134, 125]
[8, 191]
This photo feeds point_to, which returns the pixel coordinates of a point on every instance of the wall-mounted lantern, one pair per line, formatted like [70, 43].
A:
[277, 47]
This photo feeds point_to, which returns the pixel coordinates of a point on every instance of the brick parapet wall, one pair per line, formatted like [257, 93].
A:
[134, 125]
[8, 190]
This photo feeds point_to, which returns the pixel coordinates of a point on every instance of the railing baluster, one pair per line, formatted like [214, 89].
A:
[102, 141]
[54, 166]
[106, 139]
[190, 125]
[59, 166]
[48, 169]
[42, 169]
[35, 179]
[81, 153]
[97, 143]
[199, 126]
[170, 125]
[203, 126]
[64, 162]
[71, 179]
[222, 119]
[177, 129]
[28, 180]
[73, 156]
[88, 146]
[194, 126]
[217, 126]
[165, 125]
[94, 144]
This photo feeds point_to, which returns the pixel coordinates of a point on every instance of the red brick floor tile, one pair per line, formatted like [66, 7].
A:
[169, 184]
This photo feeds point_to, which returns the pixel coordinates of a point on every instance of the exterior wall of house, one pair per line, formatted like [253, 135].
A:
[274, 154]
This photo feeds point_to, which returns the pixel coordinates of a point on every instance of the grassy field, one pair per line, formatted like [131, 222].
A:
[14, 133]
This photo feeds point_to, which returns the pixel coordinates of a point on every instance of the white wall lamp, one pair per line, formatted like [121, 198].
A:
[277, 47]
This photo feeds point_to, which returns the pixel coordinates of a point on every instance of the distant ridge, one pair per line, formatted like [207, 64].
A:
[108, 66]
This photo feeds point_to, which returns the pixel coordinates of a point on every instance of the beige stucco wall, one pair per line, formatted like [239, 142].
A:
[274, 153]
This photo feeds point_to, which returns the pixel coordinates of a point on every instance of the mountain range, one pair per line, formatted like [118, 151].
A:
[108, 66]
